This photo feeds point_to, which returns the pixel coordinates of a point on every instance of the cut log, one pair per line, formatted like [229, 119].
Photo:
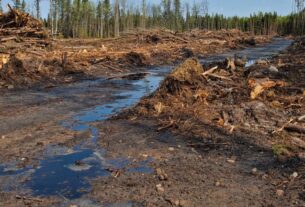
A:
[295, 128]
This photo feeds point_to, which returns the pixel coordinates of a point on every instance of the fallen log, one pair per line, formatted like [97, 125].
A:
[295, 128]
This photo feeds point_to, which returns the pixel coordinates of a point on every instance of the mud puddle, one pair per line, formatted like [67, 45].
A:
[253, 54]
[65, 171]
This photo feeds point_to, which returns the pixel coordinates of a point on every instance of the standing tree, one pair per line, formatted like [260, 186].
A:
[51, 16]
[167, 13]
[107, 11]
[300, 20]
[177, 15]
[100, 18]
[205, 7]
[17, 4]
[23, 6]
[37, 8]
[144, 9]
[1, 9]
[187, 17]
[116, 19]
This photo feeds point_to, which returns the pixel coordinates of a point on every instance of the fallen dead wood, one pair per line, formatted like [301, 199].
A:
[260, 85]
[301, 118]
[28, 198]
[283, 127]
[220, 77]
[210, 71]
[295, 128]
[5, 39]
[111, 67]
[298, 142]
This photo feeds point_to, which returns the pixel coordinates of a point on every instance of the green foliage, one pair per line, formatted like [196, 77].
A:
[279, 149]
[23, 6]
[17, 4]
[90, 18]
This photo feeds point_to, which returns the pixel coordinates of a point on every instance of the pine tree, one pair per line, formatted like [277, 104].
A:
[23, 6]
[87, 18]
[116, 19]
[17, 4]
[177, 15]
[167, 13]
[37, 7]
[100, 18]
[188, 17]
[1, 9]
[107, 11]
[143, 20]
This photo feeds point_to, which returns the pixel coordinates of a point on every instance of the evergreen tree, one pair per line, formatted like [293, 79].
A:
[37, 8]
[116, 18]
[23, 6]
[107, 12]
[1, 9]
[17, 4]
[177, 15]
[100, 18]
[90, 18]
[143, 19]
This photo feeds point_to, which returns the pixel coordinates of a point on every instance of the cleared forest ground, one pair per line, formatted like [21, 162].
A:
[212, 143]
[222, 134]
[30, 57]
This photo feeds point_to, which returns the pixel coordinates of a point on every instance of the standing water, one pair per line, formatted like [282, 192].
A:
[66, 171]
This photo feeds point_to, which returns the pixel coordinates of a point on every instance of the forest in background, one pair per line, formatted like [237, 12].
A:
[88, 19]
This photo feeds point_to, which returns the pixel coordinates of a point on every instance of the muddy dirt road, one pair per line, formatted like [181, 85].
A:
[54, 142]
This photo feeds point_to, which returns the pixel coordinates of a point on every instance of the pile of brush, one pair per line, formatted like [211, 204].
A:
[17, 26]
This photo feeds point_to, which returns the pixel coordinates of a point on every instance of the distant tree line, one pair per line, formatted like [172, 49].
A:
[105, 18]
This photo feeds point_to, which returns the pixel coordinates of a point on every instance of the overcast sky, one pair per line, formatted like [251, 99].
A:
[226, 7]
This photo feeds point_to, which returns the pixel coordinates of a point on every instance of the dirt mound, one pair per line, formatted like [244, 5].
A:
[266, 106]
[136, 59]
[23, 70]
[153, 38]
[185, 75]
[23, 55]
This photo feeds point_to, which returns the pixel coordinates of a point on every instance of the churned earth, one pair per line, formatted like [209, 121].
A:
[180, 146]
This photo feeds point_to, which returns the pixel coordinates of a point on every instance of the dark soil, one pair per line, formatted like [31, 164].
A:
[215, 141]
[210, 140]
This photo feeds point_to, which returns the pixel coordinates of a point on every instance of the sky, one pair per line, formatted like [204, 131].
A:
[226, 7]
